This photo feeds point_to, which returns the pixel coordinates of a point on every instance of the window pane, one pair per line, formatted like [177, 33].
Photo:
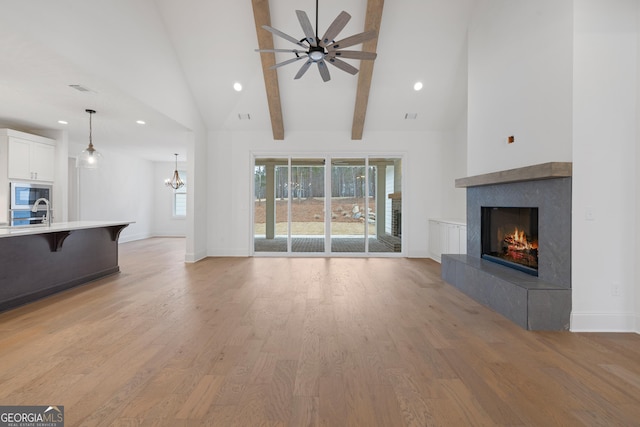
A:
[307, 205]
[180, 204]
[349, 211]
[270, 206]
[385, 231]
[180, 196]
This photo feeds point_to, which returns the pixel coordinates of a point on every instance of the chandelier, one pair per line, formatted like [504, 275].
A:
[90, 158]
[174, 182]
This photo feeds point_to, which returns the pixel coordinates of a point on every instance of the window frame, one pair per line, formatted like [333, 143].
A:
[180, 193]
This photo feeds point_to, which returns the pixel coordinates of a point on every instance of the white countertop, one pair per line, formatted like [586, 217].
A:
[57, 226]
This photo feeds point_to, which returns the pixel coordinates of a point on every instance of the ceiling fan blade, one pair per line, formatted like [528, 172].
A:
[353, 40]
[334, 29]
[309, 34]
[288, 61]
[281, 50]
[283, 35]
[353, 54]
[342, 65]
[324, 71]
[303, 69]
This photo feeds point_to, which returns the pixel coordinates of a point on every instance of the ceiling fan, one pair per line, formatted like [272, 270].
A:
[322, 50]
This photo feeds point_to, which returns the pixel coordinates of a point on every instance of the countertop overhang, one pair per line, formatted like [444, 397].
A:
[58, 227]
[43, 260]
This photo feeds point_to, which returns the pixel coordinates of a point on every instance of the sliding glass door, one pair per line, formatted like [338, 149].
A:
[271, 218]
[349, 205]
[307, 205]
[354, 206]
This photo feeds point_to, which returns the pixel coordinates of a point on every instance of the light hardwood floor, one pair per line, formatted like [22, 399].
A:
[302, 341]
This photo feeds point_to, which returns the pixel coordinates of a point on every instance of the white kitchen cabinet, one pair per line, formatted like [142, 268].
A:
[43, 157]
[19, 162]
[447, 237]
[28, 157]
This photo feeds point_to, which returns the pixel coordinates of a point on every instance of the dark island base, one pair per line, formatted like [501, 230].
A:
[38, 265]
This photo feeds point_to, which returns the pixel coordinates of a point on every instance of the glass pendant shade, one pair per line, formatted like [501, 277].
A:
[174, 182]
[90, 158]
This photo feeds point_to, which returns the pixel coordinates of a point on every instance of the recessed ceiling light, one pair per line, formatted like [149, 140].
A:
[63, 122]
[417, 86]
[237, 86]
[141, 122]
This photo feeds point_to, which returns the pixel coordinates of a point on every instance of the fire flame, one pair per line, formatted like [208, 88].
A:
[518, 241]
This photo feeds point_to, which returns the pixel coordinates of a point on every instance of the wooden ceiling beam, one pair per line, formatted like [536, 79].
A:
[372, 22]
[262, 16]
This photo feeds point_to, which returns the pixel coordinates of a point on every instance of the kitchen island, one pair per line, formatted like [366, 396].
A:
[38, 261]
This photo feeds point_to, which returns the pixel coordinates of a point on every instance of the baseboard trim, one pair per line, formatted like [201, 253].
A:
[228, 253]
[605, 322]
[193, 257]
[133, 237]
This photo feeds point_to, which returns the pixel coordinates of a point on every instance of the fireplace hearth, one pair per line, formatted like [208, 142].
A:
[508, 212]
[509, 236]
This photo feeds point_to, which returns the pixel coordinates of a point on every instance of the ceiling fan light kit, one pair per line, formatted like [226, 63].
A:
[322, 50]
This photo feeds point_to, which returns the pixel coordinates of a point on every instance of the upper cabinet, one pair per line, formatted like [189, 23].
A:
[29, 157]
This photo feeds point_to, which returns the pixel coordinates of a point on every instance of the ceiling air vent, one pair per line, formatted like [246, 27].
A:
[80, 88]
[411, 116]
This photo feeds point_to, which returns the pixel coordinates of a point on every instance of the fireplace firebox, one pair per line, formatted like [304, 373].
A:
[509, 236]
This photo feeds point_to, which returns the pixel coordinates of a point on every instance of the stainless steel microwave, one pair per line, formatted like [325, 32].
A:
[24, 194]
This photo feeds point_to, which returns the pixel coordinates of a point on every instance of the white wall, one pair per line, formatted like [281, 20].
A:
[61, 184]
[605, 117]
[107, 46]
[164, 223]
[229, 190]
[520, 71]
[197, 195]
[562, 77]
[636, 285]
[454, 200]
[636, 288]
[122, 189]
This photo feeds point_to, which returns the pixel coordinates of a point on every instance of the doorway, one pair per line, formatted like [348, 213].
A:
[327, 206]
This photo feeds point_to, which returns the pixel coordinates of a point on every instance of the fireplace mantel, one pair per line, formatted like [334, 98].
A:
[527, 173]
[535, 303]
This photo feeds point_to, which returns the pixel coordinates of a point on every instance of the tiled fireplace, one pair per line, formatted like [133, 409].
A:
[518, 262]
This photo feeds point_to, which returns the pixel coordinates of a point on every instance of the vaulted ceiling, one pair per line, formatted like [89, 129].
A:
[46, 46]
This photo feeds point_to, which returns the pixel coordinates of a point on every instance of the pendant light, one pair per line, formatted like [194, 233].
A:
[90, 158]
[174, 182]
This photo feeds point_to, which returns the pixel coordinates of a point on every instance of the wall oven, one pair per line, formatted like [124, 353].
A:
[23, 197]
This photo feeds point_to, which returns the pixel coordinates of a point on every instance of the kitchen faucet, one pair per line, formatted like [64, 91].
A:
[47, 218]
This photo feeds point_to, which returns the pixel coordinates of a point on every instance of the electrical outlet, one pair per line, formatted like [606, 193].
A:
[589, 214]
[615, 289]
